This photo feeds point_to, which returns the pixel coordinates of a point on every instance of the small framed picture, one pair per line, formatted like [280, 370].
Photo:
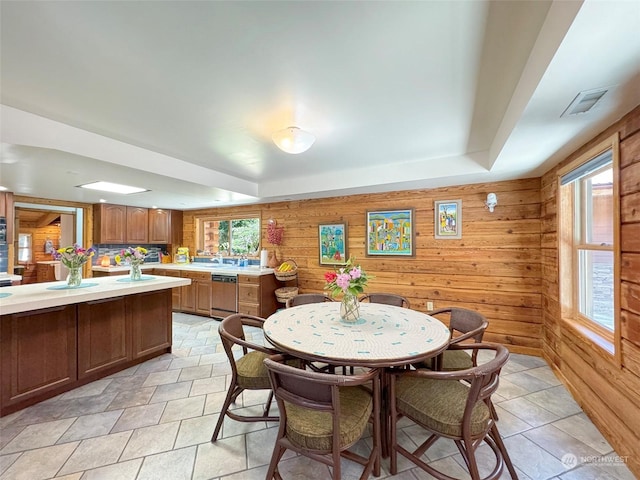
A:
[390, 233]
[332, 238]
[448, 219]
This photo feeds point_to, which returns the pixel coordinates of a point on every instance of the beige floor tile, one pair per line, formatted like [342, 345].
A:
[132, 398]
[88, 426]
[118, 471]
[161, 378]
[222, 458]
[171, 391]
[196, 430]
[40, 463]
[96, 452]
[137, 417]
[174, 465]
[150, 440]
[580, 427]
[184, 408]
[37, 436]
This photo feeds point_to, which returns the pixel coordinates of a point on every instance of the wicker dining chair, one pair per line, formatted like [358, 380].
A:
[247, 371]
[386, 298]
[455, 405]
[306, 298]
[464, 325]
[322, 415]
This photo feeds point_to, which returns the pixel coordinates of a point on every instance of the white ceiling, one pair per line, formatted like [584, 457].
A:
[181, 97]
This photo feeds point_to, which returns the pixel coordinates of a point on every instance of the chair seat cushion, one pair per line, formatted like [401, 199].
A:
[456, 360]
[252, 374]
[312, 429]
[439, 405]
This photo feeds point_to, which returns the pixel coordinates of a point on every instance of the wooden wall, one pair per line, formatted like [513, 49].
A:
[495, 268]
[38, 237]
[608, 392]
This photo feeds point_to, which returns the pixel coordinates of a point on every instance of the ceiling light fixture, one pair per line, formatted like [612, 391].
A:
[293, 140]
[113, 188]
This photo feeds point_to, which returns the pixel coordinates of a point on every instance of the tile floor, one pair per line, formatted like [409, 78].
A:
[154, 421]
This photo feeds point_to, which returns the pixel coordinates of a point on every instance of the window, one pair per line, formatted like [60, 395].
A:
[24, 248]
[588, 220]
[230, 236]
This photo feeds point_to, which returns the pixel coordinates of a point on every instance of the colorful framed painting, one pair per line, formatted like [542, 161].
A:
[448, 219]
[390, 233]
[333, 243]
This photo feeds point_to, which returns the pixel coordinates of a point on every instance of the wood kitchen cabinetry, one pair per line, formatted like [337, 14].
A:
[104, 336]
[120, 224]
[46, 352]
[256, 295]
[137, 225]
[109, 223]
[176, 296]
[196, 298]
[37, 354]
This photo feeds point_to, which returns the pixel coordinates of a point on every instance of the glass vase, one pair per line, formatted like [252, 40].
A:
[135, 273]
[350, 308]
[74, 279]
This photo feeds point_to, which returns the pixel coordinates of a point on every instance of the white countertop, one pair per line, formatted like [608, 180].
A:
[25, 298]
[195, 267]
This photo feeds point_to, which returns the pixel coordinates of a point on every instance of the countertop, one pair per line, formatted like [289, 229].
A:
[34, 296]
[195, 267]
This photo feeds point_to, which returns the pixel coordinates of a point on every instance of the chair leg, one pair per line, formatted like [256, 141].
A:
[267, 406]
[231, 396]
[495, 435]
[278, 451]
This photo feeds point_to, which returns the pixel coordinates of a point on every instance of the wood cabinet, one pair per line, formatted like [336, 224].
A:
[176, 297]
[159, 226]
[37, 354]
[256, 295]
[98, 273]
[137, 225]
[46, 352]
[150, 316]
[109, 223]
[196, 298]
[104, 336]
[46, 272]
[120, 224]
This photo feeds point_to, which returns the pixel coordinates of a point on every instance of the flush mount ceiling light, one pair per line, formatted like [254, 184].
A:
[113, 188]
[293, 140]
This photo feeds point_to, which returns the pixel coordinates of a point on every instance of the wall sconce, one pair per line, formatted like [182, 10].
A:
[293, 140]
[491, 202]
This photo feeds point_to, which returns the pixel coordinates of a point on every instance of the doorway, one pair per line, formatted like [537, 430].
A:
[41, 229]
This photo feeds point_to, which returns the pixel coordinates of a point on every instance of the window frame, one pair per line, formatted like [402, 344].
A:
[29, 248]
[200, 230]
[569, 247]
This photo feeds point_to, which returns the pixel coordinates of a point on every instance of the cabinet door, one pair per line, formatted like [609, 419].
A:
[203, 297]
[104, 336]
[109, 223]
[159, 226]
[188, 298]
[37, 353]
[150, 315]
[137, 225]
[176, 228]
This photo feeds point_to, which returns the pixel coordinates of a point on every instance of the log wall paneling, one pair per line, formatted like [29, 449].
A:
[495, 268]
[609, 393]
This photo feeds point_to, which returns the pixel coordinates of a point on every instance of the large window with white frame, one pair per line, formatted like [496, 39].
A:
[589, 250]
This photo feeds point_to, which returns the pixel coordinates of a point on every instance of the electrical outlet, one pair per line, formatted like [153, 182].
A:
[429, 306]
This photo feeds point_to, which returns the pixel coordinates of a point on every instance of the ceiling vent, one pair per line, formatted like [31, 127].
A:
[584, 101]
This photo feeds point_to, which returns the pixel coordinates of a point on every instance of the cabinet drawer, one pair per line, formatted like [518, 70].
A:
[249, 309]
[252, 279]
[195, 275]
[248, 293]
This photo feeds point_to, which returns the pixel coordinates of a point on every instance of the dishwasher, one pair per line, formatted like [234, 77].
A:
[224, 295]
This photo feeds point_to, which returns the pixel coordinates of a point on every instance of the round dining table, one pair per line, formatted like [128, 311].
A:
[383, 335]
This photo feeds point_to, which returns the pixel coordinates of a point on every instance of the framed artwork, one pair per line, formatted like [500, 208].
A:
[332, 238]
[448, 219]
[390, 233]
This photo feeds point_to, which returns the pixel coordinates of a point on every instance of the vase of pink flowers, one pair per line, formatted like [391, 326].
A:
[73, 258]
[135, 258]
[349, 280]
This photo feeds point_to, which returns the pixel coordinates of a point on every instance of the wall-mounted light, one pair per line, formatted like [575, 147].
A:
[491, 202]
[293, 140]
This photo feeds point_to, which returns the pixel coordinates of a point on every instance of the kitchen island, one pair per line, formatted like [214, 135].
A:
[53, 338]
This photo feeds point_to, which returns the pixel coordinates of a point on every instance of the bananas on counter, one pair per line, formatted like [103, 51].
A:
[285, 267]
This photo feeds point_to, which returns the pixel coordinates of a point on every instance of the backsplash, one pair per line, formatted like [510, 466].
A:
[153, 255]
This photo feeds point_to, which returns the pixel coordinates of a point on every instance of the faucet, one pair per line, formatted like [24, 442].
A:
[217, 258]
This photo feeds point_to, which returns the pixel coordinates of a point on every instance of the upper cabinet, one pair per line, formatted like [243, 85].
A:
[119, 224]
[137, 225]
[109, 223]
